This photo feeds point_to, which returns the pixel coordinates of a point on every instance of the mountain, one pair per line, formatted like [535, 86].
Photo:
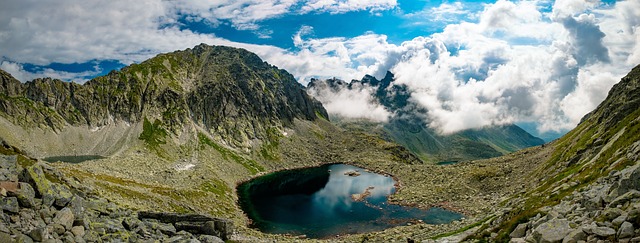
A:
[588, 187]
[173, 135]
[226, 93]
[409, 129]
[178, 132]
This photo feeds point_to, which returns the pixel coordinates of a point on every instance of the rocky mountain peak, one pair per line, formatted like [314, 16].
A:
[228, 92]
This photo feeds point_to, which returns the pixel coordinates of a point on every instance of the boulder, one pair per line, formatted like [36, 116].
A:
[38, 234]
[604, 231]
[77, 231]
[51, 193]
[25, 195]
[619, 220]
[626, 230]
[5, 237]
[131, 223]
[552, 231]
[167, 229]
[65, 218]
[9, 168]
[624, 198]
[209, 239]
[575, 236]
[519, 232]
[9, 204]
[610, 214]
[22, 238]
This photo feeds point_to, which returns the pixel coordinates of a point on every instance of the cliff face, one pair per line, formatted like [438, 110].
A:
[229, 93]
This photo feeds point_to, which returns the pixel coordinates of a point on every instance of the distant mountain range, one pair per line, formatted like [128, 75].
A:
[408, 128]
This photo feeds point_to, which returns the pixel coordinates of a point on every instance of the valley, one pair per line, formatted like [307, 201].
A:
[179, 132]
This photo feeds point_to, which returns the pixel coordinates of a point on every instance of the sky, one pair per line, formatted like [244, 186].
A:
[541, 64]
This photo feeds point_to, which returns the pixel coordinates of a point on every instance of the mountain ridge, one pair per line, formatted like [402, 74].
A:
[199, 88]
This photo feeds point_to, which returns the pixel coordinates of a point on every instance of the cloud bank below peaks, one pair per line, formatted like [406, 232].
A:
[348, 103]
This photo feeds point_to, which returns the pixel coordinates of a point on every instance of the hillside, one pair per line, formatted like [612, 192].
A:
[226, 93]
[408, 128]
[588, 188]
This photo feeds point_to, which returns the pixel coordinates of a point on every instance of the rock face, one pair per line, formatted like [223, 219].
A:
[47, 216]
[408, 128]
[230, 93]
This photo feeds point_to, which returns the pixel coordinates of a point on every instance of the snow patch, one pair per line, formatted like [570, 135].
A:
[184, 167]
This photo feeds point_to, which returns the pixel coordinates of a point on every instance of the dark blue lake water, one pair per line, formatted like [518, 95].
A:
[323, 201]
[73, 158]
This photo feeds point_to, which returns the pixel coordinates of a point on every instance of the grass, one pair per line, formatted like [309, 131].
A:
[215, 186]
[252, 166]
[153, 134]
[463, 229]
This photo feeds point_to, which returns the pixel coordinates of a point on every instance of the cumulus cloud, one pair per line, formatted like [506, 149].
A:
[515, 64]
[246, 14]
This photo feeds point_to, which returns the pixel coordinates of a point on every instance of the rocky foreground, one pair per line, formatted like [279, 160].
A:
[606, 211]
[39, 206]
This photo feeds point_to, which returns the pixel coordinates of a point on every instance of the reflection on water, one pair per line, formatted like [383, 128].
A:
[330, 209]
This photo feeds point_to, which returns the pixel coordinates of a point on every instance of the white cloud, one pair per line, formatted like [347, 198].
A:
[513, 64]
[18, 72]
[342, 6]
[356, 103]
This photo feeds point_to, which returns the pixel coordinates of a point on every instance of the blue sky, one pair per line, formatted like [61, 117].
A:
[539, 63]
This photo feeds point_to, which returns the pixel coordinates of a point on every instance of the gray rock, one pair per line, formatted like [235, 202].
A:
[106, 226]
[64, 217]
[9, 168]
[209, 239]
[92, 236]
[68, 237]
[624, 198]
[25, 195]
[519, 232]
[51, 193]
[619, 220]
[21, 238]
[77, 207]
[5, 237]
[167, 229]
[575, 236]
[589, 228]
[604, 231]
[10, 204]
[552, 231]
[629, 180]
[77, 231]
[610, 214]
[38, 234]
[131, 223]
[626, 230]
[57, 228]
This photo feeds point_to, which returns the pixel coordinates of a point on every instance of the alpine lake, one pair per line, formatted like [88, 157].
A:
[328, 201]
